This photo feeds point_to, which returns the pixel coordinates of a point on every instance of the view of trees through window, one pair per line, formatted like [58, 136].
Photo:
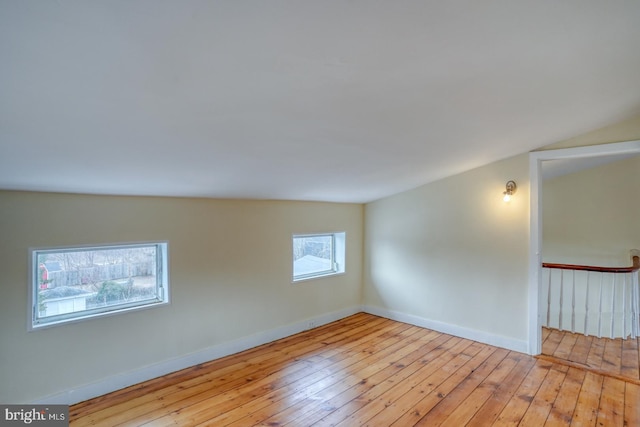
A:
[83, 280]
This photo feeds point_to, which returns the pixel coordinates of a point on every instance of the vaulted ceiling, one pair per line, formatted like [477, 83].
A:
[345, 101]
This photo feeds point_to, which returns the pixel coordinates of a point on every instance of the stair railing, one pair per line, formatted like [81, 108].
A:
[618, 290]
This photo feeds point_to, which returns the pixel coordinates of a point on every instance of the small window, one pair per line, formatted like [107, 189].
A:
[317, 255]
[70, 284]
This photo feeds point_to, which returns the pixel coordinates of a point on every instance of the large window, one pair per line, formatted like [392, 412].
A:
[316, 255]
[69, 284]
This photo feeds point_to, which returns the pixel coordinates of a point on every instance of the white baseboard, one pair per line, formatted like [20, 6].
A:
[117, 382]
[459, 331]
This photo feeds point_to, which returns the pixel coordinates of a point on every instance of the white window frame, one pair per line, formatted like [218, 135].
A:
[337, 262]
[162, 285]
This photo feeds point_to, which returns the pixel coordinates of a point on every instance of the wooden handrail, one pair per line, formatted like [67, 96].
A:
[635, 267]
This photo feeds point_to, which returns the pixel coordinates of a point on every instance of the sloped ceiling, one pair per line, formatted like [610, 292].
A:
[345, 101]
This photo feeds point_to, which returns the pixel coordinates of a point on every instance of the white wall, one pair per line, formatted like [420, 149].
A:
[593, 216]
[453, 252]
[230, 272]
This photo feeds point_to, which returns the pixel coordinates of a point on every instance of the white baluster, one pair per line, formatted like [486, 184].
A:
[600, 309]
[549, 299]
[586, 305]
[561, 299]
[613, 305]
[635, 296]
[573, 301]
[624, 305]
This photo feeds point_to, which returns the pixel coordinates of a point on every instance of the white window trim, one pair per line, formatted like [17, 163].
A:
[338, 256]
[162, 274]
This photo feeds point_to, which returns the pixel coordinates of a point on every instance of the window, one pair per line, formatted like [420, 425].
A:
[69, 284]
[317, 255]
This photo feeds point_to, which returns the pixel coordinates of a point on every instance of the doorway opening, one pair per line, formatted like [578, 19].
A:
[547, 162]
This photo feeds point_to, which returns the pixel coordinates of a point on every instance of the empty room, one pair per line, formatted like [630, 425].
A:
[319, 213]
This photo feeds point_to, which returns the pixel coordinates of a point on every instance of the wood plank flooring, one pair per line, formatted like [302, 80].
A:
[614, 357]
[369, 371]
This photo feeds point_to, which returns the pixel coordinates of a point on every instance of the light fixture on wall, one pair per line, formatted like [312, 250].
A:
[510, 190]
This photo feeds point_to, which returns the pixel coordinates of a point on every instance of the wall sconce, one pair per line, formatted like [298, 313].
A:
[510, 190]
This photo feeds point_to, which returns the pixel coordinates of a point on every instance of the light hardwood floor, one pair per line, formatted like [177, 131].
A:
[614, 357]
[366, 370]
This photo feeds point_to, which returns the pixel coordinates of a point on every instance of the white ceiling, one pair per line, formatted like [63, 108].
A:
[346, 101]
